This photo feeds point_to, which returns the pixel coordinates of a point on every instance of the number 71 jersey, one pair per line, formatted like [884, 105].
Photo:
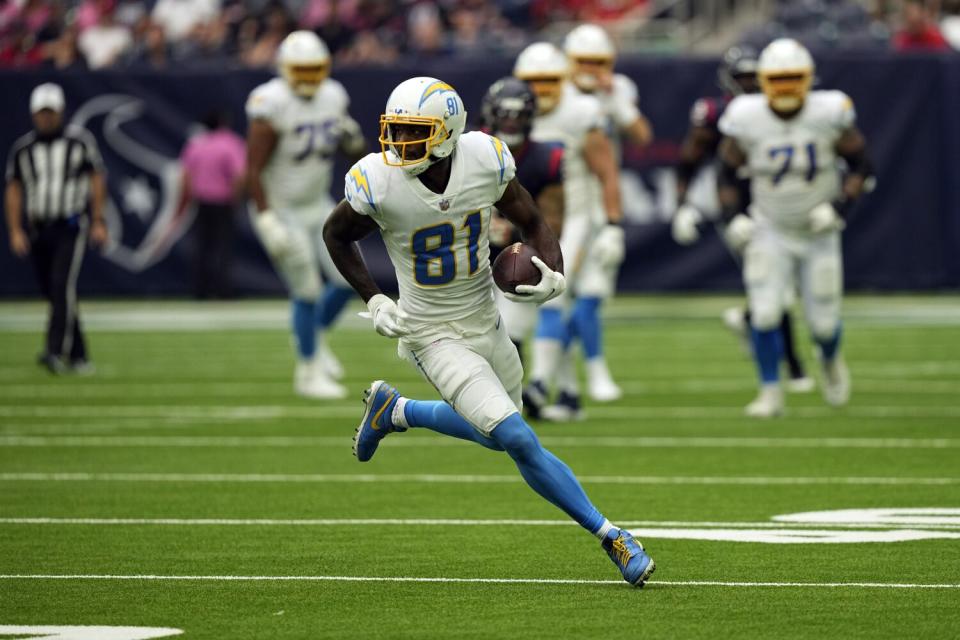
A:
[792, 163]
[438, 242]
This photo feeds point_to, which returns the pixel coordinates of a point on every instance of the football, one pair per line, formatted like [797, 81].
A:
[514, 266]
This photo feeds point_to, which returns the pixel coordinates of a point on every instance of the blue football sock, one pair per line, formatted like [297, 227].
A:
[586, 322]
[829, 347]
[767, 347]
[303, 330]
[441, 417]
[545, 473]
[332, 301]
[551, 326]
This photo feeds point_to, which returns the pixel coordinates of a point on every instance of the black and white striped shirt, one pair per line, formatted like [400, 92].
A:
[55, 172]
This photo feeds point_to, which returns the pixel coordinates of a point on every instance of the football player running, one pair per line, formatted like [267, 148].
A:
[509, 107]
[592, 214]
[298, 122]
[737, 75]
[592, 56]
[429, 194]
[791, 138]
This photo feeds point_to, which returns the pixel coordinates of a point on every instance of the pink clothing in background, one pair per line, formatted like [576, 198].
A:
[213, 162]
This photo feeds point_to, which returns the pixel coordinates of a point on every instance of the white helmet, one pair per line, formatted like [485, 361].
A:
[785, 72]
[545, 68]
[424, 102]
[591, 51]
[304, 62]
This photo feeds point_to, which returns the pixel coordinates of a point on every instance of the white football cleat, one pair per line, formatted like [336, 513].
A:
[310, 381]
[328, 360]
[803, 384]
[566, 409]
[600, 384]
[768, 403]
[836, 381]
[734, 320]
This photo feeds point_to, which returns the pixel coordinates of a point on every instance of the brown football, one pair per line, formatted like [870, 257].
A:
[514, 266]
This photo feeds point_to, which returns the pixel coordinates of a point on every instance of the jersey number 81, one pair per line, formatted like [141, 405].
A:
[435, 263]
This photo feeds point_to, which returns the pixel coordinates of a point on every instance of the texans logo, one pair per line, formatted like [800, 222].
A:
[144, 181]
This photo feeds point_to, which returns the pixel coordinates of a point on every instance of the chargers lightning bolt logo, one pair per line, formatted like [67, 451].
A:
[362, 185]
[434, 87]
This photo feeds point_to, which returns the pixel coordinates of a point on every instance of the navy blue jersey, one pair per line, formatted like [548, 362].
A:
[539, 165]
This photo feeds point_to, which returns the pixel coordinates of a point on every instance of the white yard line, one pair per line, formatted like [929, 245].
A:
[448, 522]
[600, 442]
[534, 581]
[465, 479]
[321, 411]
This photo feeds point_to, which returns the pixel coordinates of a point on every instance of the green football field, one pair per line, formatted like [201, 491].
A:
[185, 487]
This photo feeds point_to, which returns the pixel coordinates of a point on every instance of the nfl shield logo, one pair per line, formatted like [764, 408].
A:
[444, 204]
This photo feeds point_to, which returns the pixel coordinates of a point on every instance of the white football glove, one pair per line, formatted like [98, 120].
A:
[824, 218]
[609, 245]
[352, 141]
[272, 233]
[552, 283]
[684, 226]
[739, 232]
[388, 318]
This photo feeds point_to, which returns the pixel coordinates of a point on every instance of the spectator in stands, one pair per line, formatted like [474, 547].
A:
[63, 54]
[426, 38]
[20, 47]
[105, 42]
[263, 53]
[151, 50]
[918, 32]
[179, 18]
[213, 166]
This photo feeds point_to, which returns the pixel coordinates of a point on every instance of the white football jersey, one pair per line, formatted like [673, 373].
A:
[792, 163]
[620, 107]
[438, 242]
[298, 175]
[569, 123]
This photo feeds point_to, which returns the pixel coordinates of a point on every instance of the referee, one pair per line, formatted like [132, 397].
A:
[55, 176]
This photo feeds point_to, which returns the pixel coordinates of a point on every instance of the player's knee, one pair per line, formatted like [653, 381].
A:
[765, 317]
[305, 289]
[516, 437]
[823, 326]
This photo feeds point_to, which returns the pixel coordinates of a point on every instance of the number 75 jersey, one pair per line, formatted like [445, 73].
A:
[792, 163]
[438, 242]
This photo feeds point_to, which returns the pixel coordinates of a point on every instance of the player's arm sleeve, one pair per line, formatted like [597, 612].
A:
[13, 167]
[500, 160]
[358, 190]
[626, 110]
[734, 122]
[262, 106]
[844, 114]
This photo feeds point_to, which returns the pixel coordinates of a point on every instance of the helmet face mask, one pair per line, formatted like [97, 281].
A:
[785, 72]
[592, 53]
[545, 69]
[738, 70]
[421, 124]
[304, 62]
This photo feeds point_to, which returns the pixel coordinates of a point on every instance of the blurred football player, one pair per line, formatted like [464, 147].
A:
[430, 194]
[298, 122]
[737, 75]
[790, 138]
[509, 107]
[591, 221]
[592, 57]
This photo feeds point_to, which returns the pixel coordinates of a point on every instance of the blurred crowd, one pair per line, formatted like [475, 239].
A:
[160, 34]
[95, 34]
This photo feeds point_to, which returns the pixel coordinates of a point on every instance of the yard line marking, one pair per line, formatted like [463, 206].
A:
[552, 581]
[123, 388]
[453, 522]
[652, 442]
[464, 479]
[320, 412]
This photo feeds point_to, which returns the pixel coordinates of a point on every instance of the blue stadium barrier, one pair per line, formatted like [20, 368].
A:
[904, 236]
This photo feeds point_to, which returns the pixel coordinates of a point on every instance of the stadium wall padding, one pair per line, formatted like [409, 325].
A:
[905, 235]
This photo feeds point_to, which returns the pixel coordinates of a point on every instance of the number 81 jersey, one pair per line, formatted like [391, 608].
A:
[438, 242]
[792, 162]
